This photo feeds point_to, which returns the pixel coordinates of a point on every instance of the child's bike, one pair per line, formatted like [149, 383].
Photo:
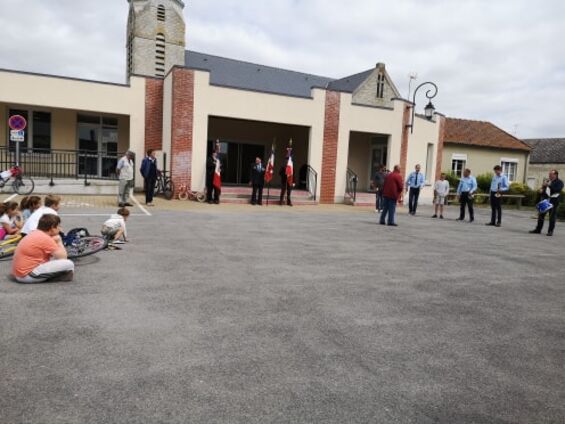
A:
[8, 247]
[186, 194]
[22, 185]
[78, 243]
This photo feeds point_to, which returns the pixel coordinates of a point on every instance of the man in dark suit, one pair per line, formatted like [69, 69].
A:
[257, 180]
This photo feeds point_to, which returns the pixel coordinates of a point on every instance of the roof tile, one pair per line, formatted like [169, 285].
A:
[480, 133]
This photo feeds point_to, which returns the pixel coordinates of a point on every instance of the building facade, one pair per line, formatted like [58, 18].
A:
[547, 154]
[480, 146]
[179, 102]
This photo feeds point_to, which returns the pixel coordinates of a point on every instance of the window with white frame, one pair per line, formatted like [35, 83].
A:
[457, 167]
[509, 168]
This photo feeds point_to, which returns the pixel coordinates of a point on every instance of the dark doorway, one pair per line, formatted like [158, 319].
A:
[237, 159]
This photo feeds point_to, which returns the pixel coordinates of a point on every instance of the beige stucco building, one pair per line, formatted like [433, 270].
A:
[479, 146]
[547, 154]
[180, 104]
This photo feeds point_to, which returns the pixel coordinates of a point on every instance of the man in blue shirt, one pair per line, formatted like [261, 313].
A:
[498, 185]
[466, 189]
[414, 184]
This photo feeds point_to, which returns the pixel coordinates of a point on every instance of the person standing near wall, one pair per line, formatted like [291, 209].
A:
[498, 185]
[392, 190]
[414, 184]
[212, 191]
[257, 181]
[378, 183]
[149, 172]
[125, 170]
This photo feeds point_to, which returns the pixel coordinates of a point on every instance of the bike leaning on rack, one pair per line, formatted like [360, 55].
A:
[164, 185]
[21, 184]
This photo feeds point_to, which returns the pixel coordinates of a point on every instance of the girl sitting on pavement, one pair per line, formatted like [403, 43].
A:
[114, 229]
[29, 205]
[11, 220]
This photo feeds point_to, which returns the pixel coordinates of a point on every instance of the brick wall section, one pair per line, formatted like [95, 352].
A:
[404, 140]
[182, 126]
[153, 113]
[441, 137]
[329, 153]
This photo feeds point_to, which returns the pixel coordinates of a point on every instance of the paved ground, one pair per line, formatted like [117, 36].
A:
[236, 314]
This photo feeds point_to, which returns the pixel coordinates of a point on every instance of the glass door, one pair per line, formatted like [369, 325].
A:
[378, 157]
[88, 141]
[98, 146]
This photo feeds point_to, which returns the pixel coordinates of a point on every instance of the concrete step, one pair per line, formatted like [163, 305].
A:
[273, 192]
[244, 201]
[361, 199]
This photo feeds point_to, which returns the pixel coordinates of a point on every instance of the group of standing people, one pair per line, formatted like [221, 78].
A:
[389, 187]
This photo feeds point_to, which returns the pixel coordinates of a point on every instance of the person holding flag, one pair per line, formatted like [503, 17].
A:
[287, 177]
[214, 176]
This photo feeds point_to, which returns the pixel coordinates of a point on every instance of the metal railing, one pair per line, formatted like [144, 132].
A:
[311, 181]
[351, 184]
[53, 163]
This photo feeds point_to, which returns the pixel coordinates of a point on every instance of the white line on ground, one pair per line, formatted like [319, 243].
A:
[10, 197]
[140, 207]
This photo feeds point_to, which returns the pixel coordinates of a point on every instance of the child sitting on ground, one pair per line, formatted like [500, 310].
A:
[114, 229]
[29, 205]
[11, 220]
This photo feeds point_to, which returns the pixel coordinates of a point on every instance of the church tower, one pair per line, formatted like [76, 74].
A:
[155, 37]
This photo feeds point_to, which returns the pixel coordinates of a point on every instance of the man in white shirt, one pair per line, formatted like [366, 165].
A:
[51, 206]
[125, 170]
[441, 190]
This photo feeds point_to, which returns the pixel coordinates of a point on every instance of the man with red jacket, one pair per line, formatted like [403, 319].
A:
[392, 190]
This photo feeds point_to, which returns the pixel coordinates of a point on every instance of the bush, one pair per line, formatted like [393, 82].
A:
[483, 182]
[453, 180]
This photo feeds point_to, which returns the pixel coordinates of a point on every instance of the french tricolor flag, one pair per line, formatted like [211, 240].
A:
[290, 170]
[270, 168]
[217, 182]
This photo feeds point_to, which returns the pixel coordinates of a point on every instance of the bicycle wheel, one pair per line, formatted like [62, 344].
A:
[183, 195]
[169, 190]
[23, 185]
[201, 197]
[86, 246]
[7, 251]
[158, 188]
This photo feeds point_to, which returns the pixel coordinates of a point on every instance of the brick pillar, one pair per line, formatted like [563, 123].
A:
[182, 126]
[404, 141]
[329, 150]
[154, 113]
[441, 136]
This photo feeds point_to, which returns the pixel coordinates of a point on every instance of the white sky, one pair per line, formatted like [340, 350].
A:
[496, 60]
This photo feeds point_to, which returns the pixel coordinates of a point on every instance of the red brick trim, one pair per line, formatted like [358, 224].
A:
[182, 126]
[404, 140]
[329, 149]
[153, 113]
[440, 140]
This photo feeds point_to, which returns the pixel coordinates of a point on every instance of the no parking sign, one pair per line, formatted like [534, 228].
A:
[17, 124]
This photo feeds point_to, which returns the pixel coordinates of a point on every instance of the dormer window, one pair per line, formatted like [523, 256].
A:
[380, 86]
[161, 13]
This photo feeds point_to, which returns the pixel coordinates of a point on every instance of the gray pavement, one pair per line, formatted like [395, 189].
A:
[279, 315]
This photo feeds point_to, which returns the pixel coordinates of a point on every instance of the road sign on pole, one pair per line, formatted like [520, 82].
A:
[17, 122]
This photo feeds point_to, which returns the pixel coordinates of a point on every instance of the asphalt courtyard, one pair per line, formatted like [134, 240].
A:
[241, 314]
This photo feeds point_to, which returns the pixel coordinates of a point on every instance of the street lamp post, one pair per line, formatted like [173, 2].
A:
[429, 109]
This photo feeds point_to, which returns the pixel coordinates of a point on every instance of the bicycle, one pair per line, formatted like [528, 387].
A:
[78, 243]
[22, 184]
[164, 185]
[8, 247]
[186, 194]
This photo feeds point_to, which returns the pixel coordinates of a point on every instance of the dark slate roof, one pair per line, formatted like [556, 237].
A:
[349, 84]
[250, 76]
[547, 150]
